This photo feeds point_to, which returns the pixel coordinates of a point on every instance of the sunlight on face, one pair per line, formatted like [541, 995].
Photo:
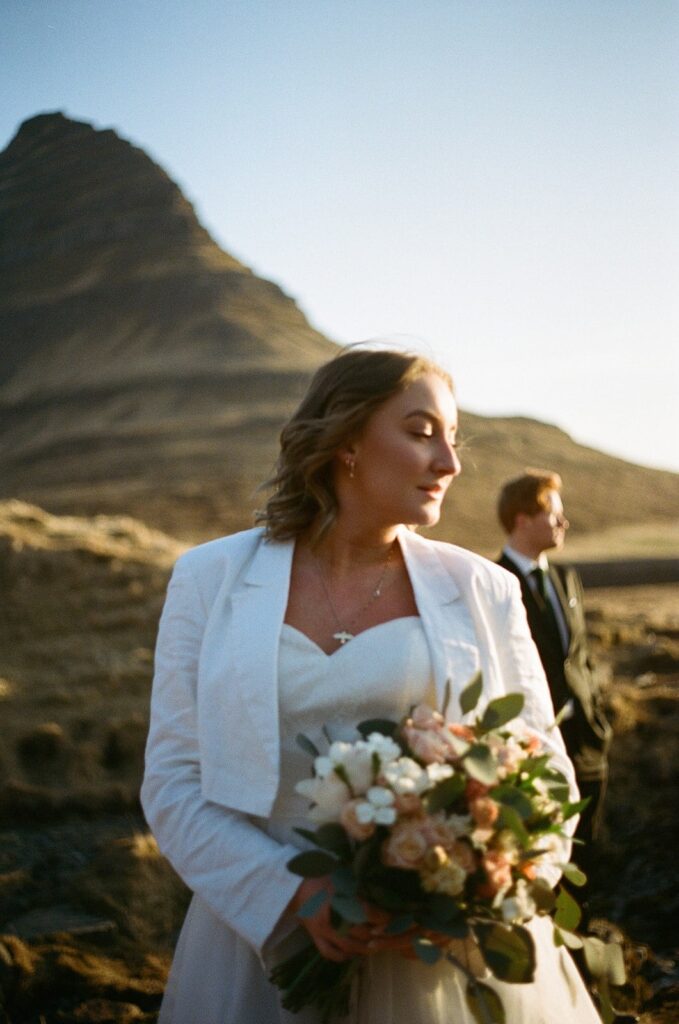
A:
[405, 457]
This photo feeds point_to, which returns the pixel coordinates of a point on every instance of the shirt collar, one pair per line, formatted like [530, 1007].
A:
[526, 564]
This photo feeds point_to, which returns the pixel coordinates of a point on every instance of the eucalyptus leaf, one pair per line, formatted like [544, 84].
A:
[500, 711]
[349, 908]
[332, 836]
[511, 820]
[344, 880]
[480, 764]
[604, 960]
[445, 793]
[399, 925]
[307, 745]
[469, 697]
[568, 913]
[509, 951]
[383, 725]
[312, 864]
[485, 1004]
[574, 875]
[510, 796]
[566, 938]
[313, 904]
[427, 951]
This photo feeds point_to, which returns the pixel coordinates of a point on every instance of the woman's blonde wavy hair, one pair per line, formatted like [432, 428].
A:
[342, 396]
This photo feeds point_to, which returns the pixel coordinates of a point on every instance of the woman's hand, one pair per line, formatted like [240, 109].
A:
[358, 939]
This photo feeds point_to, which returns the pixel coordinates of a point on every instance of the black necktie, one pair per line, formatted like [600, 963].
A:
[545, 605]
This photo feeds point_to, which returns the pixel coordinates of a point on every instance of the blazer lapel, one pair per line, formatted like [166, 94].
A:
[447, 622]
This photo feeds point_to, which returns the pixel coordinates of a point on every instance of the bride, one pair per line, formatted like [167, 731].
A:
[334, 610]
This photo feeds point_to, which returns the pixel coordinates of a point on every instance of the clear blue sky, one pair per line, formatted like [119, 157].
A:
[495, 177]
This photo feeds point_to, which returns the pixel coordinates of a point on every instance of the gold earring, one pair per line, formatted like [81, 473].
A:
[351, 466]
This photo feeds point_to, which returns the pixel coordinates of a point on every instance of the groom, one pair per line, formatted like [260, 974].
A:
[531, 512]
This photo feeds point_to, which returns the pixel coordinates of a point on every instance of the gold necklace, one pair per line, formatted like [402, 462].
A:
[344, 633]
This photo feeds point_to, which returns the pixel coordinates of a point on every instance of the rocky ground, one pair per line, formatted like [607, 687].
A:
[88, 908]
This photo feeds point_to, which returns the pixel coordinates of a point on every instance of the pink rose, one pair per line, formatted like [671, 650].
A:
[406, 846]
[423, 717]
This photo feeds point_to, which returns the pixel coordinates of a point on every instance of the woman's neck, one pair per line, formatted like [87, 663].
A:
[343, 548]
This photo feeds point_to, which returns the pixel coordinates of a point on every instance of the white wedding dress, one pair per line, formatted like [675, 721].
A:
[217, 979]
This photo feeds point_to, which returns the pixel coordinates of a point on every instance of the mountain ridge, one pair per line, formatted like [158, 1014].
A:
[144, 370]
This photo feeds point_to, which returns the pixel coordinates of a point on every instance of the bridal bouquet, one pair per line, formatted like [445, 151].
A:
[445, 827]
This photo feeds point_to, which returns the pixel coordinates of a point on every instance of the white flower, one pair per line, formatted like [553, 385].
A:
[438, 772]
[329, 795]
[385, 748]
[354, 760]
[377, 808]
[520, 906]
[405, 776]
[555, 849]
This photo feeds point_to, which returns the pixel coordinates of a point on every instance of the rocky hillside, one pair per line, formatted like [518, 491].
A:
[145, 371]
[89, 910]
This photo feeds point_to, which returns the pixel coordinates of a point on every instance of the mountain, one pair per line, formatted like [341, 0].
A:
[143, 370]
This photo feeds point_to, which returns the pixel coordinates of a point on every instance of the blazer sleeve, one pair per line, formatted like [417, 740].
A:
[522, 672]
[221, 854]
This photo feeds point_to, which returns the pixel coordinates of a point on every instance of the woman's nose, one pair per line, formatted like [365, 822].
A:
[447, 460]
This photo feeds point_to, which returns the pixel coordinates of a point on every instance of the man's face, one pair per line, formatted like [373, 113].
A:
[547, 528]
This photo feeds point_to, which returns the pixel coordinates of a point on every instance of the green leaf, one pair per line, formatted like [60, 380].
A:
[383, 725]
[399, 925]
[569, 809]
[533, 766]
[604, 960]
[568, 913]
[480, 764]
[312, 864]
[510, 796]
[565, 938]
[446, 698]
[500, 711]
[444, 908]
[509, 951]
[344, 880]
[484, 1003]
[574, 875]
[333, 837]
[307, 745]
[350, 908]
[445, 793]
[427, 951]
[511, 820]
[543, 894]
[469, 697]
[313, 904]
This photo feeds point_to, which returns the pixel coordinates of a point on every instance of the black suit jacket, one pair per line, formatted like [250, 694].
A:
[569, 673]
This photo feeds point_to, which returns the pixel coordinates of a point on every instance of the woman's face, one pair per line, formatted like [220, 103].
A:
[405, 457]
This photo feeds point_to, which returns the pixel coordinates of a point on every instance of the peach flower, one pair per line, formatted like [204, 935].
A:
[357, 829]
[406, 846]
[498, 871]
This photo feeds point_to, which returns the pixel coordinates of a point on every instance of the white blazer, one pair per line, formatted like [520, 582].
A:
[212, 758]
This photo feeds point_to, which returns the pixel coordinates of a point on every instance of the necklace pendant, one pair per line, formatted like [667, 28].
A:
[344, 636]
